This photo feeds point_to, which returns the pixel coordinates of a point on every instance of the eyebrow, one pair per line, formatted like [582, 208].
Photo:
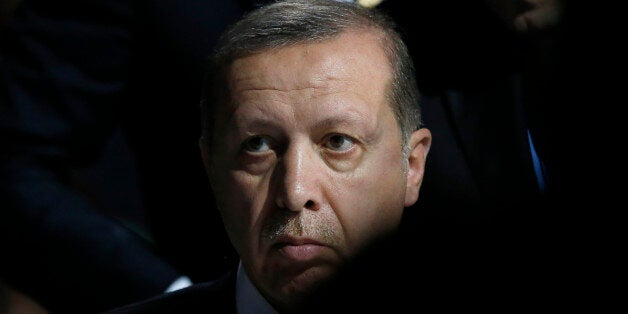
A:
[254, 123]
[261, 120]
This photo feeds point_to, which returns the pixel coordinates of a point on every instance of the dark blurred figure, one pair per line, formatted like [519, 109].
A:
[79, 79]
[473, 69]
[6, 10]
[489, 78]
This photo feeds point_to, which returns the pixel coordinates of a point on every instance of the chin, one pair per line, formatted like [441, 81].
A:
[299, 287]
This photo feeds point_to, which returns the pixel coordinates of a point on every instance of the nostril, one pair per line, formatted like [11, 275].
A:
[309, 204]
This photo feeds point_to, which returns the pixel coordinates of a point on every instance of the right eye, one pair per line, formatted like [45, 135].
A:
[256, 144]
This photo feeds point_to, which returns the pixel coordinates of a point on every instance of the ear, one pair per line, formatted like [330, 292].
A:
[203, 144]
[419, 145]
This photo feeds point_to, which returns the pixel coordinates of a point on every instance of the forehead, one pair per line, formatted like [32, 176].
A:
[353, 61]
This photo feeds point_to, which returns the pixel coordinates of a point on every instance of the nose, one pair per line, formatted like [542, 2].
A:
[297, 180]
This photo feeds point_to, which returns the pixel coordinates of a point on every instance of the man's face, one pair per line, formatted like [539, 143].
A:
[306, 161]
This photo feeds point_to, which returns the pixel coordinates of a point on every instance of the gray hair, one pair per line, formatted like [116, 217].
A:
[289, 22]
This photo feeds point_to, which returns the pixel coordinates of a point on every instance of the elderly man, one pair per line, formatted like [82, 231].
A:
[313, 147]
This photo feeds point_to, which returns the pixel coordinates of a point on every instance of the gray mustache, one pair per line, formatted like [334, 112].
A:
[299, 224]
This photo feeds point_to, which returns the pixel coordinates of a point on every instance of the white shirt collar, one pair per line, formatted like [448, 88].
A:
[248, 298]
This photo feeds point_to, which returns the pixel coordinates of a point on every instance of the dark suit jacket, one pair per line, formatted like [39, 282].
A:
[216, 296]
[394, 275]
[386, 277]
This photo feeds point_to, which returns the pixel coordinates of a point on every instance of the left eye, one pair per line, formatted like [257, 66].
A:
[257, 144]
[339, 143]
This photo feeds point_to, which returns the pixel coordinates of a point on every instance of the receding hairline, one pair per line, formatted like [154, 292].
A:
[288, 23]
[224, 61]
[370, 34]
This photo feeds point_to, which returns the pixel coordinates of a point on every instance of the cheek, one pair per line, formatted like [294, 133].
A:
[241, 198]
[370, 201]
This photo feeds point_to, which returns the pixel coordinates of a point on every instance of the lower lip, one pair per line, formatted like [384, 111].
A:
[303, 252]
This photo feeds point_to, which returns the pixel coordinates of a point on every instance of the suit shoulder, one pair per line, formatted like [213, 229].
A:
[217, 296]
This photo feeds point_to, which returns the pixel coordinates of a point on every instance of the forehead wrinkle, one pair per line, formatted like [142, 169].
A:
[256, 113]
[252, 83]
[248, 97]
[261, 71]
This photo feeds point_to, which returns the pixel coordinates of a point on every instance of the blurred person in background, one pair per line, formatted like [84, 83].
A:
[98, 98]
